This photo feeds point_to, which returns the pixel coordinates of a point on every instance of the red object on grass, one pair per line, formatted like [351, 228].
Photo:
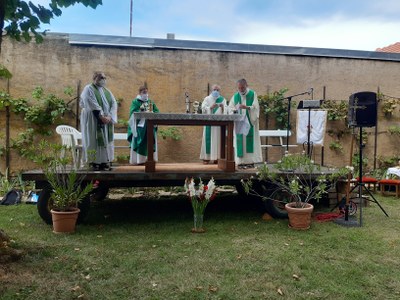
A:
[326, 217]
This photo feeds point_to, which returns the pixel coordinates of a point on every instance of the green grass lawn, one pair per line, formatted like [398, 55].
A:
[143, 249]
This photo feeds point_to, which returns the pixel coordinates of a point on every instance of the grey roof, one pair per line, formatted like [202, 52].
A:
[141, 42]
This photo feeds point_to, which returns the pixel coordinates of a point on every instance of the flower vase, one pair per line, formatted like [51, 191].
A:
[198, 223]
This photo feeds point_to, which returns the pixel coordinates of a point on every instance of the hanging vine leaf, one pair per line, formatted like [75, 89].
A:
[4, 73]
[21, 19]
[274, 105]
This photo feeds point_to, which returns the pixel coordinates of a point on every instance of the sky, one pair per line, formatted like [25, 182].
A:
[336, 24]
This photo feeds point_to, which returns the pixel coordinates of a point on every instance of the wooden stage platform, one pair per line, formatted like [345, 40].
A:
[166, 174]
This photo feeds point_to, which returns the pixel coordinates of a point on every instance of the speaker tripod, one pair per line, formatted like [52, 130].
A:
[360, 186]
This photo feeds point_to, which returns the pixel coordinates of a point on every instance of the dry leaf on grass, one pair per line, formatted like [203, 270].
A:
[296, 277]
[212, 289]
[280, 292]
[267, 217]
[76, 288]
[199, 288]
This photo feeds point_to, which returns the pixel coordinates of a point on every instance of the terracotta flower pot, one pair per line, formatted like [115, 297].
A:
[64, 221]
[299, 218]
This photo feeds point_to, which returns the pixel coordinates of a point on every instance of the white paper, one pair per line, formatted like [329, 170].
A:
[141, 123]
[242, 126]
[132, 124]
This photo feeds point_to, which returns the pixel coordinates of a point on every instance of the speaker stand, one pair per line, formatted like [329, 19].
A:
[288, 123]
[361, 186]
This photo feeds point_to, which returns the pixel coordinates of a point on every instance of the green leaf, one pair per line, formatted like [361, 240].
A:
[22, 17]
[4, 72]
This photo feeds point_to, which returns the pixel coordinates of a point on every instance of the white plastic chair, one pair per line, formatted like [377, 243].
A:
[70, 138]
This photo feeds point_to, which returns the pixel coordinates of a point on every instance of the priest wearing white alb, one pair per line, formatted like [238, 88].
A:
[98, 116]
[247, 147]
[210, 147]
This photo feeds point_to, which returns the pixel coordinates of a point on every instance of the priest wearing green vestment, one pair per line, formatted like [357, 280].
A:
[137, 130]
[98, 116]
[210, 146]
[247, 147]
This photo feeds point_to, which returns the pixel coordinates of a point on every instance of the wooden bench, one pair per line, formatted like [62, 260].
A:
[275, 134]
[390, 183]
[117, 137]
[121, 137]
[368, 181]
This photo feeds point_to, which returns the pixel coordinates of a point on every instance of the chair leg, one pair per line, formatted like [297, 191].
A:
[74, 162]
[79, 158]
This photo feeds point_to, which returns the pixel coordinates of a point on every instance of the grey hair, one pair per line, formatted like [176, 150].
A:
[96, 74]
[242, 81]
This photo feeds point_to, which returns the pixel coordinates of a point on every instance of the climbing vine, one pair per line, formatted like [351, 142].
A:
[337, 109]
[170, 132]
[389, 104]
[39, 113]
[274, 106]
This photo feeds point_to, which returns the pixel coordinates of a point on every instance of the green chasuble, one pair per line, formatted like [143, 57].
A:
[109, 127]
[250, 135]
[139, 143]
[220, 99]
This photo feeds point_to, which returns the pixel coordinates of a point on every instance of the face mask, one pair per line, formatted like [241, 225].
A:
[144, 97]
[102, 82]
[215, 94]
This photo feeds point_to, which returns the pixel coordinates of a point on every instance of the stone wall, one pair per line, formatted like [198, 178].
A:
[55, 64]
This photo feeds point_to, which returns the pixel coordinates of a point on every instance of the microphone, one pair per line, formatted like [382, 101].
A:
[310, 91]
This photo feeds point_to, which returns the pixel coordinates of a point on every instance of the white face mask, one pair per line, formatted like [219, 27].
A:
[102, 82]
[215, 94]
[144, 97]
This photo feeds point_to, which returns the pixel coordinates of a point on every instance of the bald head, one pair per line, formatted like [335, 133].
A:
[215, 87]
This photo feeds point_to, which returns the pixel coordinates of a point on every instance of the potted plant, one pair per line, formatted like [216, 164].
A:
[295, 181]
[68, 188]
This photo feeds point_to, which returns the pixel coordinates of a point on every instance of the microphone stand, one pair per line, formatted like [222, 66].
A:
[289, 98]
[187, 102]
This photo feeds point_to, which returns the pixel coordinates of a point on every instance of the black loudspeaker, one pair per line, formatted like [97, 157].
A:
[362, 110]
